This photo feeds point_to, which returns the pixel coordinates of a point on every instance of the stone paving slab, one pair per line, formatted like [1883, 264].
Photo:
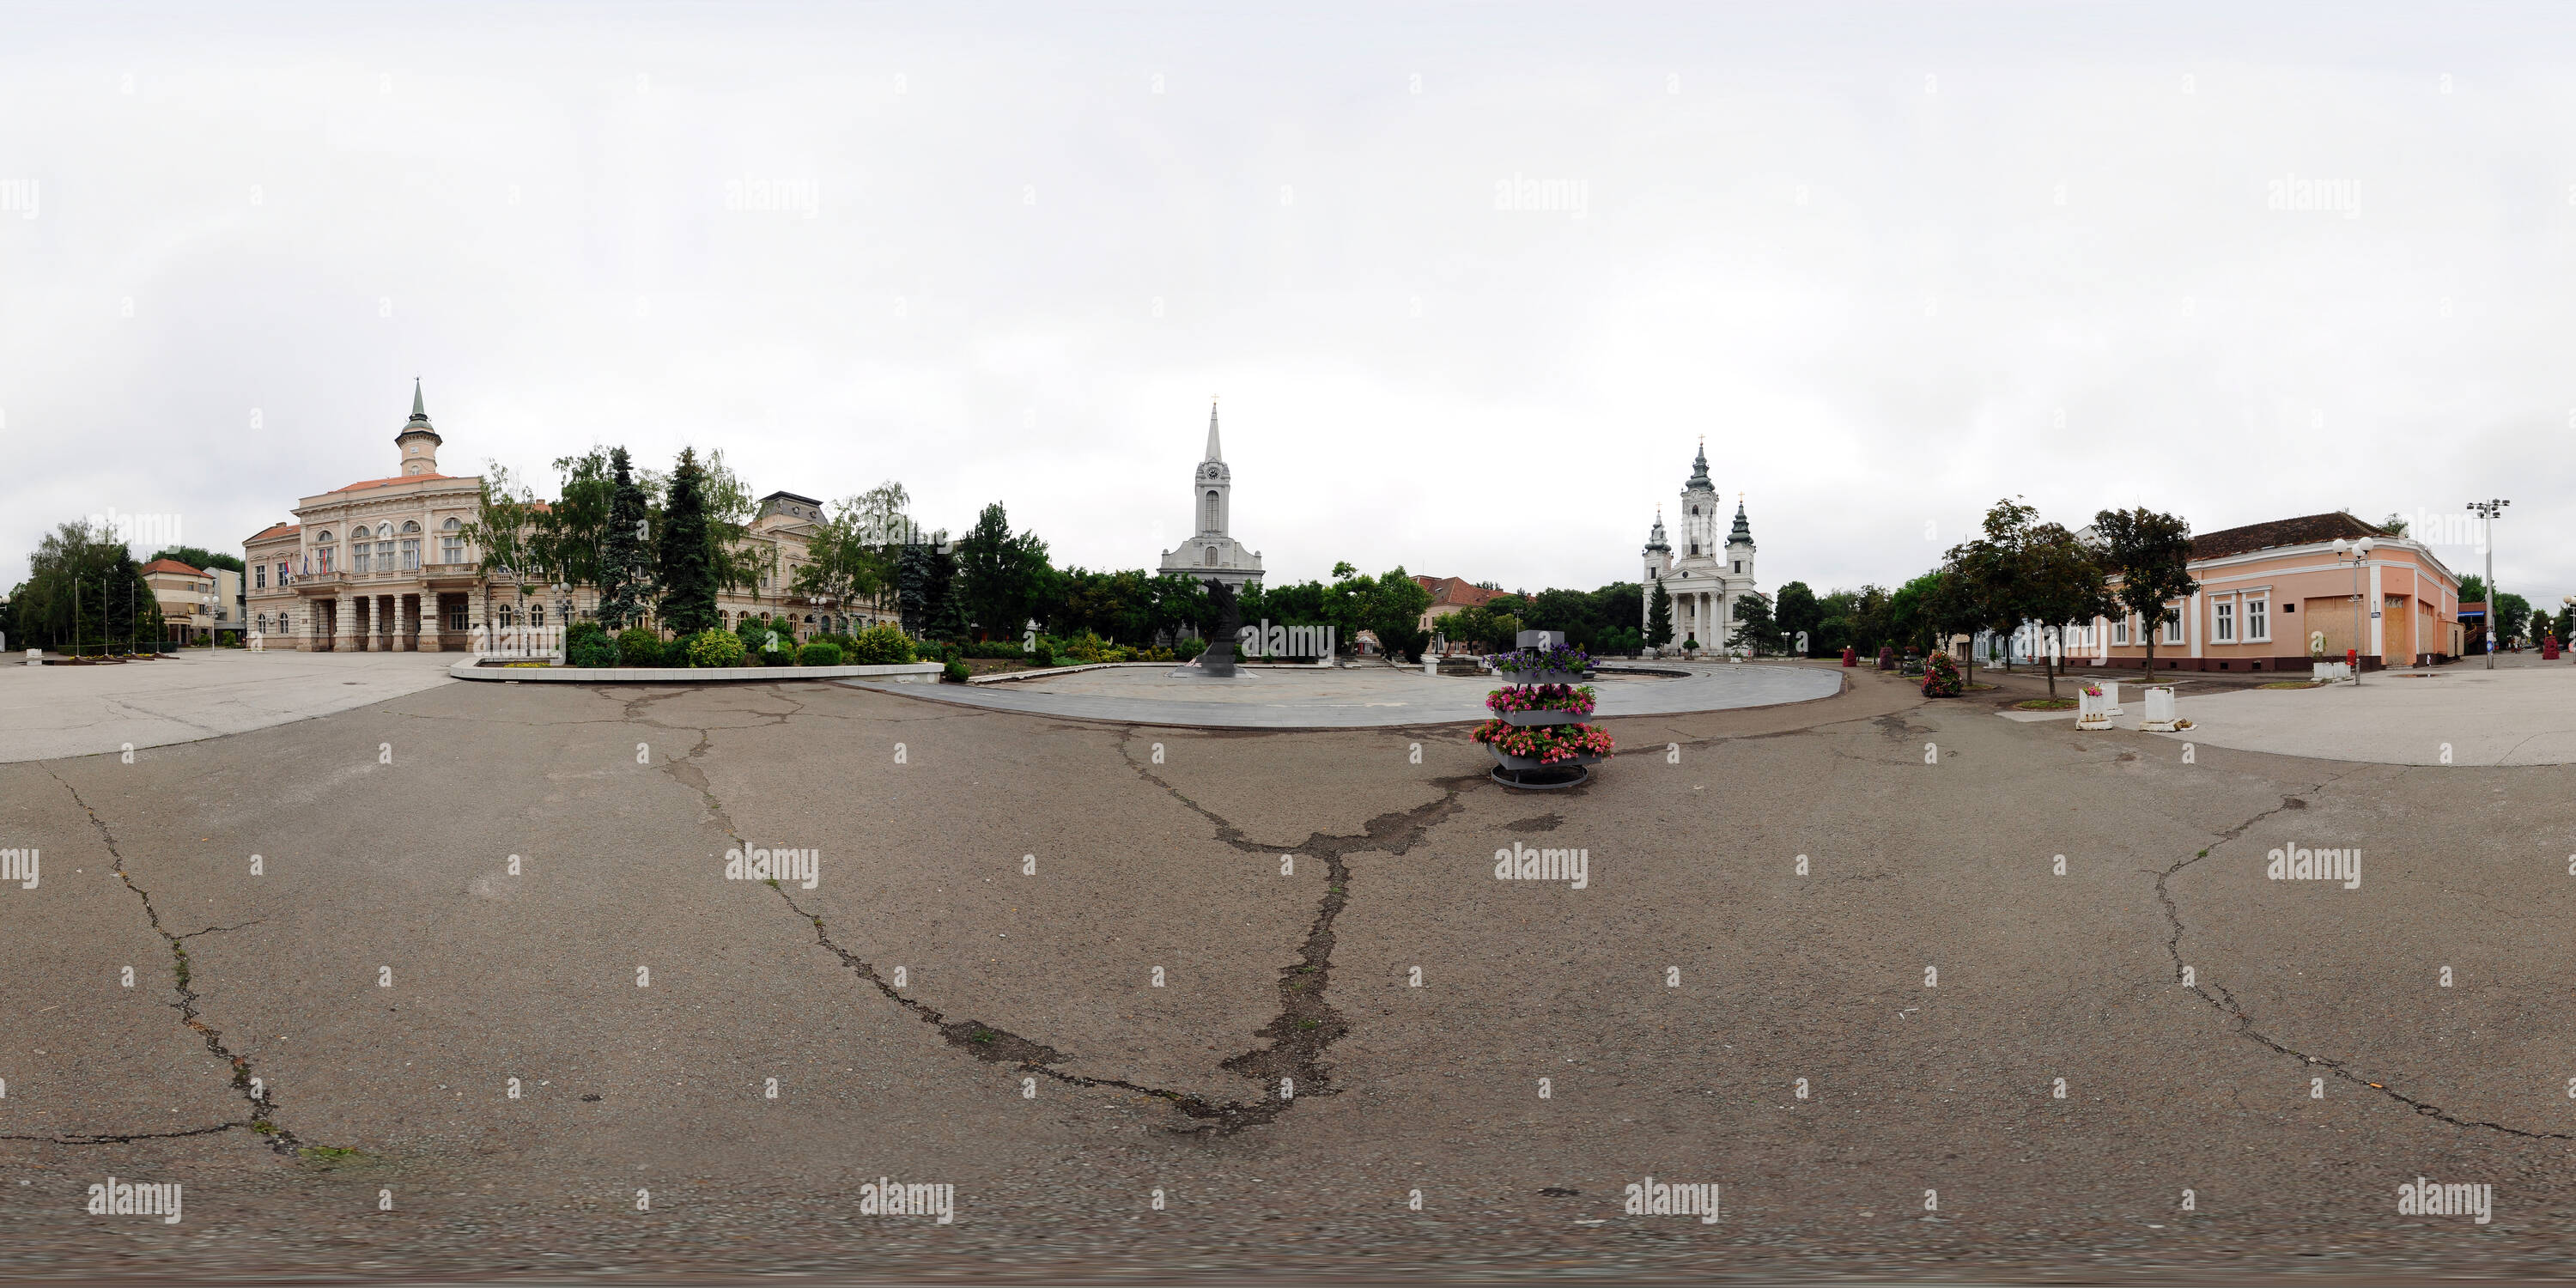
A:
[1365, 697]
[52, 711]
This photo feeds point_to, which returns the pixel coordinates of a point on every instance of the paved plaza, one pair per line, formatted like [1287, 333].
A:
[51, 711]
[2460, 714]
[1362, 696]
[507, 1014]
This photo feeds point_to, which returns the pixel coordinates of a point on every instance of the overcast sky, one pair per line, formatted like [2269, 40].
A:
[1894, 262]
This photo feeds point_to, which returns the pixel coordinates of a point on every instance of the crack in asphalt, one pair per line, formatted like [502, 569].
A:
[2225, 1002]
[1298, 1037]
[263, 1103]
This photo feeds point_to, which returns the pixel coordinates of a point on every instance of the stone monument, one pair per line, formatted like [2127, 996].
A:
[1218, 660]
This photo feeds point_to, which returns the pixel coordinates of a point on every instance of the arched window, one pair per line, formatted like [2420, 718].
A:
[537, 615]
[724, 618]
[410, 527]
[505, 614]
[1211, 556]
[325, 537]
[450, 526]
[1210, 525]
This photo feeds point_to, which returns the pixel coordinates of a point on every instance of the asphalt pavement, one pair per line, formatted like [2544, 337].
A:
[491, 1004]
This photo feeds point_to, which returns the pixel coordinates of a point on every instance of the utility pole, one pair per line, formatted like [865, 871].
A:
[2495, 603]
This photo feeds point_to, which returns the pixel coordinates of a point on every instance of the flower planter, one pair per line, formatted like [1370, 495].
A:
[1509, 761]
[1539, 677]
[1528, 718]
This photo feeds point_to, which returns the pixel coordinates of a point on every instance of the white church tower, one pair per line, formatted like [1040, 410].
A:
[1211, 553]
[1708, 573]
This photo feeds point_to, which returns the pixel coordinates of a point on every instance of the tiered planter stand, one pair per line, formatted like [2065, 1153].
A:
[1527, 772]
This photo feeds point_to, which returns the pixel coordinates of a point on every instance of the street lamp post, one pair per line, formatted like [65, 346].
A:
[2360, 551]
[2495, 603]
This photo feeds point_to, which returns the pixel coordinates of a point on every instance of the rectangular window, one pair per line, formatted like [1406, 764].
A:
[259, 576]
[411, 554]
[2258, 620]
[2120, 631]
[451, 550]
[2223, 624]
[359, 555]
[323, 560]
[281, 576]
[456, 618]
[2173, 626]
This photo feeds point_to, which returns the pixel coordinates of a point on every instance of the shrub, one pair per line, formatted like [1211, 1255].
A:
[1189, 649]
[637, 646]
[594, 649]
[955, 673]
[582, 631]
[882, 646]
[714, 648]
[1940, 677]
[819, 653]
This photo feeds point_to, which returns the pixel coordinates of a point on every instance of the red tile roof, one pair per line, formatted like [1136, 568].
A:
[2305, 530]
[172, 566]
[1457, 590]
[275, 530]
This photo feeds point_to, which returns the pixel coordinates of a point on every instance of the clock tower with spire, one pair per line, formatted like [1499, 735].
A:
[1211, 552]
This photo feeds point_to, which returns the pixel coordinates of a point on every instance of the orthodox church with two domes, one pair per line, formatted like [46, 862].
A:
[1707, 574]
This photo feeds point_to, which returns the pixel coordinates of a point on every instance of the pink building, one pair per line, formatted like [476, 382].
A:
[2277, 597]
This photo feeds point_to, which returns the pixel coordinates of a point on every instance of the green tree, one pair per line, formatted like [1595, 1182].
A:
[2150, 553]
[503, 533]
[571, 536]
[1659, 617]
[1756, 630]
[2064, 586]
[685, 565]
[1988, 588]
[626, 565]
[198, 557]
[1914, 611]
[1394, 607]
[83, 590]
[1003, 573]
[1798, 611]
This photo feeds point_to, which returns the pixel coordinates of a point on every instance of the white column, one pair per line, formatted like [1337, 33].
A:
[2378, 624]
[344, 624]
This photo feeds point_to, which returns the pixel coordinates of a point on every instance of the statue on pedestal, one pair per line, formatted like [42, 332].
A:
[1219, 658]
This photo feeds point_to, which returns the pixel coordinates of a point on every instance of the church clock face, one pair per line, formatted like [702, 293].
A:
[1211, 471]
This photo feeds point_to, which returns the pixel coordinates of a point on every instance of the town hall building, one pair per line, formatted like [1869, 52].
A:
[1707, 575]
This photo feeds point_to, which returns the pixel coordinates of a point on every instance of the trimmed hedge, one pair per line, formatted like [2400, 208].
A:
[819, 653]
[954, 673]
[714, 648]
[594, 649]
[637, 646]
[882, 646]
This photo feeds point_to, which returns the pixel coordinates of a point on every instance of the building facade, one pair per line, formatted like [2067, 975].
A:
[1213, 553]
[389, 565]
[1707, 574]
[2277, 597]
[194, 602]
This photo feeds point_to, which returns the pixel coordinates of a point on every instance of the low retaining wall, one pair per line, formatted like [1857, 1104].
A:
[898, 673]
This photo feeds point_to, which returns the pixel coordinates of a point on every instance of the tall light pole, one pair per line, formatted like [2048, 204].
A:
[2360, 551]
[2495, 603]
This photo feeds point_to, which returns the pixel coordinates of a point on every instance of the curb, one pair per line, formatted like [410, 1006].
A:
[897, 673]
